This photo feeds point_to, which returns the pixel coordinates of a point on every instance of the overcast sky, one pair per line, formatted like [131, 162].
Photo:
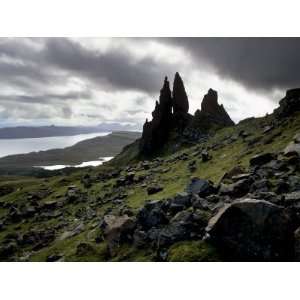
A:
[86, 81]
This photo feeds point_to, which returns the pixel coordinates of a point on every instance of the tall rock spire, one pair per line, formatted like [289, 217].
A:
[165, 98]
[156, 132]
[180, 99]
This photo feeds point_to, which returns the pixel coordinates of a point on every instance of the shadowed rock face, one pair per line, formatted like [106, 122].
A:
[211, 107]
[155, 133]
[289, 104]
[180, 99]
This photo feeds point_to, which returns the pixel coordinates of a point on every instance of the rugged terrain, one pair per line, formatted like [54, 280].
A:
[193, 188]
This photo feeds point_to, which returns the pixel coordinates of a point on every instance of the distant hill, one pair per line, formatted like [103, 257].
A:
[22, 132]
[86, 150]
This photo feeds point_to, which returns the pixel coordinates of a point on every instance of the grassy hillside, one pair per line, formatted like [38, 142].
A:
[73, 227]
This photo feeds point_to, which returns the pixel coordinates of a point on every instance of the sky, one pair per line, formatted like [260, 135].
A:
[87, 81]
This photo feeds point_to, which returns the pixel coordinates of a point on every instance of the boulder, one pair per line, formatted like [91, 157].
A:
[261, 159]
[200, 187]
[179, 202]
[235, 171]
[152, 215]
[183, 226]
[263, 185]
[253, 230]
[236, 189]
[117, 230]
[153, 189]
[293, 148]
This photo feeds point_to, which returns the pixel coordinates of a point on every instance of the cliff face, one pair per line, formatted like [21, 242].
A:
[171, 115]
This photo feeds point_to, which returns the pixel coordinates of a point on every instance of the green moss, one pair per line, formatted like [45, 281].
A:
[193, 251]
[129, 253]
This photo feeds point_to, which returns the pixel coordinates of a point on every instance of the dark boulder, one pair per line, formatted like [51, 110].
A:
[236, 189]
[263, 185]
[261, 159]
[152, 215]
[200, 187]
[183, 226]
[235, 171]
[153, 189]
[253, 230]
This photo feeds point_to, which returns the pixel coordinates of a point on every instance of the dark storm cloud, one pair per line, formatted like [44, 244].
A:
[117, 69]
[259, 63]
[53, 59]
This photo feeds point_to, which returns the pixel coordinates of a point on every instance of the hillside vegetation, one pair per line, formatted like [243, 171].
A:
[192, 188]
[52, 226]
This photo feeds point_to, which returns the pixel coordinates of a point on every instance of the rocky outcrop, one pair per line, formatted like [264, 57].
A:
[171, 115]
[213, 113]
[289, 104]
[211, 117]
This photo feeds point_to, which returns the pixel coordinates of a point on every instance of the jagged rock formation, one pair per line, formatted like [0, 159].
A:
[212, 111]
[180, 122]
[180, 99]
[156, 131]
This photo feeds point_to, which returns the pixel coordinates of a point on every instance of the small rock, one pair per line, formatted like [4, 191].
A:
[205, 156]
[154, 189]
